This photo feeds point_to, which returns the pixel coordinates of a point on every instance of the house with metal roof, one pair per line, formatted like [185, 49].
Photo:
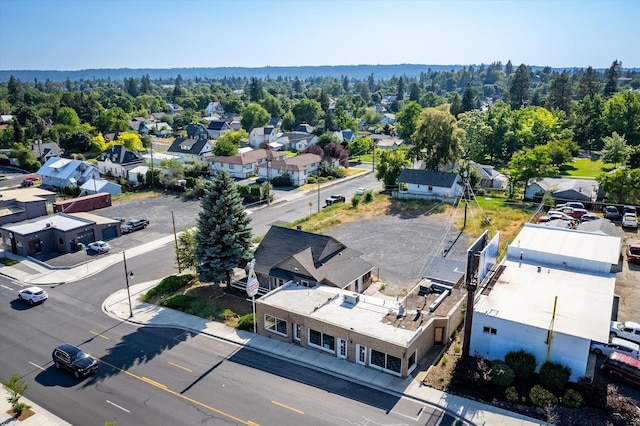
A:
[552, 295]
[63, 172]
[429, 185]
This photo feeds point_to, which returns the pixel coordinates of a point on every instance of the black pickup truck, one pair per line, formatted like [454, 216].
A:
[134, 225]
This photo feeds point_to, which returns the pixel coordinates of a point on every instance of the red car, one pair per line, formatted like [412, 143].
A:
[633, 253]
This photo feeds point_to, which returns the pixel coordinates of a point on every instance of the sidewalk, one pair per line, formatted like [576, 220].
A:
[41, 417]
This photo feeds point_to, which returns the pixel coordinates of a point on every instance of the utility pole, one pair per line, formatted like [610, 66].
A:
[318, 193]
[175, 237]
[126, 277]
[151, 163]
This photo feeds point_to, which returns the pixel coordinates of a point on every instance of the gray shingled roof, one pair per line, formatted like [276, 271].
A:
[428, 177]
[321, 258]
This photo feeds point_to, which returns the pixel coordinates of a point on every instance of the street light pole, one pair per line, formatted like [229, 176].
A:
[126, 276]
[318, 193]
[268, 183]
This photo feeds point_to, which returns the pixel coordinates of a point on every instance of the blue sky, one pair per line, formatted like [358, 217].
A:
[80, 34]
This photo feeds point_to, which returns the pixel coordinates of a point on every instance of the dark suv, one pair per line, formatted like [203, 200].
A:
[74, 359]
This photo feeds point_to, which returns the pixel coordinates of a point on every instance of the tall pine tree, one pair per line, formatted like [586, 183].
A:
[224, 237]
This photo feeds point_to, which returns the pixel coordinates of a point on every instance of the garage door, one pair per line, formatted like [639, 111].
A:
[109, 233]
[86, 237]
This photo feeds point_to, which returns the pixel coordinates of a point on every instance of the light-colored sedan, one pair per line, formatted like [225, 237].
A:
[616, 345]
[361, 191]
[99, 246]
[33, 295]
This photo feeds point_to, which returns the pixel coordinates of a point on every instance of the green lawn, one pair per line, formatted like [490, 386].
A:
[585, 167]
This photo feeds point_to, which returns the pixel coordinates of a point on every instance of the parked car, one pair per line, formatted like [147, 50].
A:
[589, 217]
[628, 330]
[611, 212]
[629, 209]
[555, 215]
[26, 183]
[361, 191]
[574, 212]
[633, 253]
[334, 199]
[99, 246]
[261, 180]
[134, 225]
[623, 367]
[33, 295]
[629, 220]
[616, 345]
[574, 204]
[74, 359]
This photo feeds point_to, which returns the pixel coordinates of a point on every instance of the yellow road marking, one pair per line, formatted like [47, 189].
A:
[179, 366]
[288, 408]
[174, 393]
[99, 335]
[153, 382]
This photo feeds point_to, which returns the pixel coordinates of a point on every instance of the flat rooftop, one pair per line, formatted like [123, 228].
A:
[370, 315]
[524, 295]
[58, 221]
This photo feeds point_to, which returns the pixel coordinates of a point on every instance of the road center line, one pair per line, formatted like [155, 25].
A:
[288, 408]
[118, 406]
[176, 394]
[37, 366]
[179, 366]
[98, 334]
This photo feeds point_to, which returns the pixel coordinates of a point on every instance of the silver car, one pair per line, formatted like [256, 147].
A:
[99, 246]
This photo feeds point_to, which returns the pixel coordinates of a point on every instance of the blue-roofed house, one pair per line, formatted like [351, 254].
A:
[429, 185]
[63, 172]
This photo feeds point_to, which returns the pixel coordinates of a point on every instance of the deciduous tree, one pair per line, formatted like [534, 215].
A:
[389, 165]
[615, 150]
[254, 116]
[437, 140]
[527, 164]
[307, 111]
[223, 241]
[407, 120]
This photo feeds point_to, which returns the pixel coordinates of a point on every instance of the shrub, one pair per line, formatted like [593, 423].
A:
[445, 360]
[368, 196]
[541, 397]
[554, 376]
[16, 387]
[225, 314]
[19, 408]
[572, 399]
[355, 201]
[522, 363]
[246, 322]
[169, 285]
[501, 374]
[180, 302]
[511, 393]
[457, 349]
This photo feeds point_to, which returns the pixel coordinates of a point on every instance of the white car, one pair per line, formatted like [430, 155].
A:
[628, 330]
[616, 345]
[361, 191]
[99, 246]
[33, 295]
[629, 220]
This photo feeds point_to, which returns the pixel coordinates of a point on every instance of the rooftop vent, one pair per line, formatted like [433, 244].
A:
[351, 299]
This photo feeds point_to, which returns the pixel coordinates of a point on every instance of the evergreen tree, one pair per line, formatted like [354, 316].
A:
[223, 241]
[256, 92]
[400, 94]
[456, 105]
[467, 98]
[345, 84]
[519, 90]
[414, 93]
[145, 84]
[131, 86]
[560, 93]
[611, 85]
[589, 84]
[371, 83]
[508, 69]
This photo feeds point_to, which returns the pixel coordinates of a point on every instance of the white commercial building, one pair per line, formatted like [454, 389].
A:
[553, 296]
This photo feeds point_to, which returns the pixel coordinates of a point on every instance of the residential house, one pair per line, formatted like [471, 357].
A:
[63, 172]
[96, 186]
[194, 146]
[174, 109]
[59, 232]
[45, 150]
[118, 160]
[299, 168]
[244, 165]
[304, 127]
[158, 157]
[286, 254]
[391, 143]
[552, 295]
[138, 175]
[214, 108]
[388, 118]
[161, 129]
[275, 122]
[429, 185]
[260, 135]
[217, 128]
[489, 177]
[141, 125]
[563, 190]
[23, 204]
[296, 141]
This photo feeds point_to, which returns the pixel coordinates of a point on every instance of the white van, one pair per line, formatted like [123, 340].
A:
[617, 345]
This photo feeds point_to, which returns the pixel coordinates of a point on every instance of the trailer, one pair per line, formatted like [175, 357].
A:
[86, 203]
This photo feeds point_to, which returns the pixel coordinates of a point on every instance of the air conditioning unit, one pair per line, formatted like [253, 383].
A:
[352, 299]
